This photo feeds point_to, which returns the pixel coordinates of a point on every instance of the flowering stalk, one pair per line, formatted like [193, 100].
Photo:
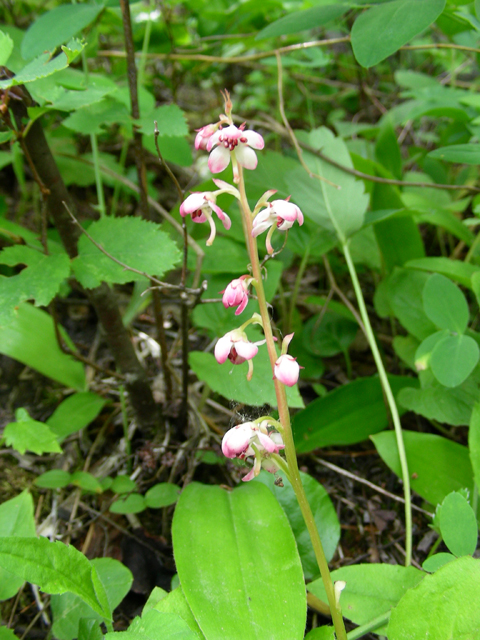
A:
[284, 415]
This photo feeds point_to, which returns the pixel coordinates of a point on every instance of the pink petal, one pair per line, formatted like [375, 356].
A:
[250, 475]
[246, 156]
[213, 139]
[191, 204]
[254, 139]
[222, 348]
[287, 370]
[219, 159]
[242, 306]
[266, 442]
[245, 349]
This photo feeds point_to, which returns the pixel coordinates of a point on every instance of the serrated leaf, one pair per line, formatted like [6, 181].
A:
[93, 118]
[56, 27]
[135, 242]
[302, 20]
[6, 47]
[16, 519]
[55, 568]
[170, 120]
[74, 413]
[68, 609]
[29, 435]
[43, 66]
[39, 281]
[383, 29]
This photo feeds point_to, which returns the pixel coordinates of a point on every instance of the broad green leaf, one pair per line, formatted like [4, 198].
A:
[453, 359]
[383, 29]
[398, 238]
[55, 568]
[462, 153]
[43, 66]
[324, 515]
[79, 98]
[135, 242]
[162, 495]
[31, 339]
[39, 281]
[436, 402]
[405, 288]
[154, 625]
[231, 382]
[425, 349]
[448, 221]
[328, 335]
[445, 304]
[458, 525]
[27, 434]
[339, 208]
[302, 21]
[226, 256]
[6, 47]
[68, 609]
[57, 27]
[170, 121]
[123, 484]
[372, 589]
[387, 149]
[129, 503]
[16, 519]
[53, 479]
[321, 633]
[437, 466]
[457, 270]
[262, 592]
[74, 413]
[474, 442]
[346, 415]
[175, 602]
[89, 630]
[425, 611]
[436, 561]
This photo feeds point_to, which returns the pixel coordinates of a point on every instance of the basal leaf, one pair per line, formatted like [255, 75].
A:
[135, 242]
[262, 594]
[74, 413]
[425, 611]
[458, 525]
[162, 495]
[437, 466]
[383, 29]
[445, 304]
[456, 270]
[29, 435]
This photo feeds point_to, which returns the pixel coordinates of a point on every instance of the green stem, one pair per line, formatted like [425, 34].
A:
[284, 417]
[146, 42]
[98, 175]
[361, 631]
[390, 399]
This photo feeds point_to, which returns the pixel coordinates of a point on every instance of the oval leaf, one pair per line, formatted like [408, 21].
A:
[239, 566]
[445, 304]
[458, 525]
[383, 29]
[453, 359]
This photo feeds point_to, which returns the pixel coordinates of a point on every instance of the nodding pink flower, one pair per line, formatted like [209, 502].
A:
[236, 347]
[233, 140]
[286, 367]
[204, 134]
[236, 294]
[237, 442]
[200, 206]
[287, 370]
[279, 214]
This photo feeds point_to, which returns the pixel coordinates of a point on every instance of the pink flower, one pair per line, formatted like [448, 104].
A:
[204, 134]
[200, 206]
[236, 347]
[286, 367]
[233, 140]
[287, 370]
[236, 294]
[279, 214]
[237, 442]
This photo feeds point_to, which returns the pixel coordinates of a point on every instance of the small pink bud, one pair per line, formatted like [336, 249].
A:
[236, 295]
[287, 370]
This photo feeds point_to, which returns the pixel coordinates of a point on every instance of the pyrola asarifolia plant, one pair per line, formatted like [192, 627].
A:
[260, 441]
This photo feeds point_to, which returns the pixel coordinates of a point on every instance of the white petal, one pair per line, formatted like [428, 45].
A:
[246, 156]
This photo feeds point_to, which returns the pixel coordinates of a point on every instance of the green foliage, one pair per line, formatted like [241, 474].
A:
[262, 580]
[27, 434]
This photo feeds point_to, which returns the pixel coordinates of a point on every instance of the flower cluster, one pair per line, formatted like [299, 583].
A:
[253, 439]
